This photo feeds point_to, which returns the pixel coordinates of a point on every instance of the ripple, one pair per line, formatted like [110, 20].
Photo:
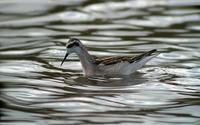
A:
[83, 27]
[74, 16]
[36, 90]
[182, 11]
[70, 16]
[160, 21]
[122, 5]
[173, 40]
[34, 32]
[122, 33]
[194, 27]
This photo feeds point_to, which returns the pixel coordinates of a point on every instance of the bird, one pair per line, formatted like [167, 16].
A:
[106, 66]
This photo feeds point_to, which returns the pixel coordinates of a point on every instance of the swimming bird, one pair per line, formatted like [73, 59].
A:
[106, 66]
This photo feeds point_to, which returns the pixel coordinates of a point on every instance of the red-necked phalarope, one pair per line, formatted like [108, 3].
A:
[107, 66]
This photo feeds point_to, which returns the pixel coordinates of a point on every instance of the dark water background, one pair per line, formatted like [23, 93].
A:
[35, 90]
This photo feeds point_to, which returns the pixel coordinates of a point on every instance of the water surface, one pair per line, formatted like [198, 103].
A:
[35, 90]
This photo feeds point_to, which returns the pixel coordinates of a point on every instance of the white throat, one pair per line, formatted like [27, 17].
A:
[87, 61]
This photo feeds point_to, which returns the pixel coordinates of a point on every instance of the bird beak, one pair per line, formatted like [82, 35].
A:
[64, 58]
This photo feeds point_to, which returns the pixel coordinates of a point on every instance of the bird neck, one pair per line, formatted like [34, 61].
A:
[87, 61]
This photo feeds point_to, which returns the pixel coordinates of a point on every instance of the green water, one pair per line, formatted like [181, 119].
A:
[35, 90]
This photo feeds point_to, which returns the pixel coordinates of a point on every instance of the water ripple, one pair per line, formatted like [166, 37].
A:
[35, 89]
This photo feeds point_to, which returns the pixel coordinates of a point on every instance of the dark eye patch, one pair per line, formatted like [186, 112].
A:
[76, 44]
[72, 44]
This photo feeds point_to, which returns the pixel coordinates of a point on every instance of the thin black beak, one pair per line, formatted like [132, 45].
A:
[64, 58]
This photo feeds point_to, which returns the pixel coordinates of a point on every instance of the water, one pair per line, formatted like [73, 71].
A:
[35, 90]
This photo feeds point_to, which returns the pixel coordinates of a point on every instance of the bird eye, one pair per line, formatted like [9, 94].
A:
[70, 46]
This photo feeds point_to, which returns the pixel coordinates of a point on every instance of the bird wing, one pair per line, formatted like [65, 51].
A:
[130, 59]
[111, 60]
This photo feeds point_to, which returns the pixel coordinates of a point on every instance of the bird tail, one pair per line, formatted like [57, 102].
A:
[141, 56]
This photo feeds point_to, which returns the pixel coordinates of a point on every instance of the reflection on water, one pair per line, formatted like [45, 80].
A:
[36, 90]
